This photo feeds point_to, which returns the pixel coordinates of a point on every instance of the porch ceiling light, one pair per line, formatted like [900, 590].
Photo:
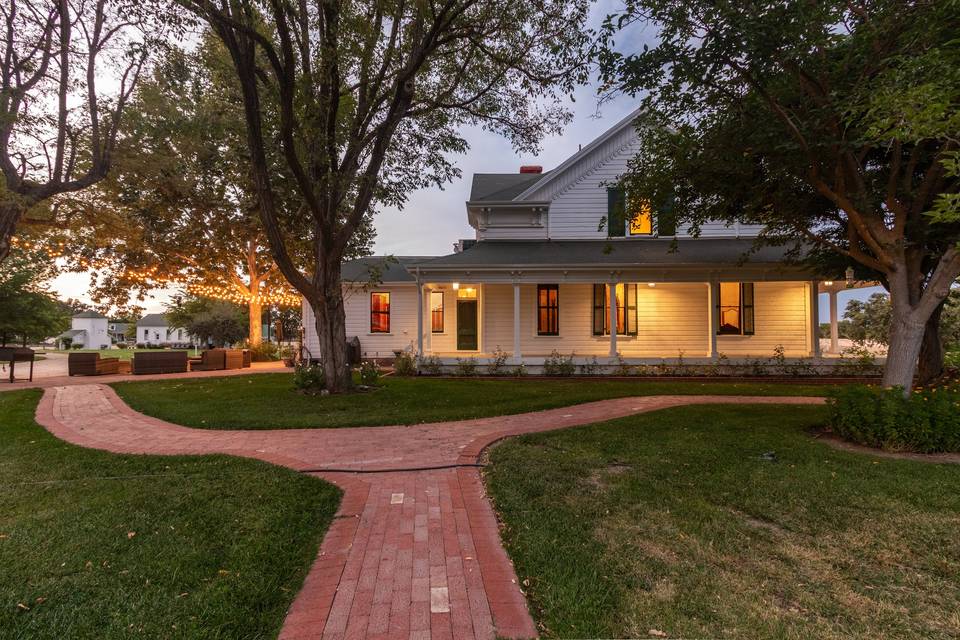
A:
[828, 283]
[651, 284]
[456, 286]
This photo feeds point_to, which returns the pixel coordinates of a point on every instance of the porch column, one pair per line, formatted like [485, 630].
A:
[613, 318]
[834, 324]
[517, 356]
[419, 319]
[814, 319]
[714, 318]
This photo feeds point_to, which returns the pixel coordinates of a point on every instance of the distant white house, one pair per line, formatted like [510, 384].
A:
[87, 329]
[155, 329]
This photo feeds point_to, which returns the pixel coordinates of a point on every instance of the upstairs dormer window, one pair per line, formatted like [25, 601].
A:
[636, 218]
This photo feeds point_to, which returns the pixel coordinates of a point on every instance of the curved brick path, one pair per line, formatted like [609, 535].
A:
[414, 551]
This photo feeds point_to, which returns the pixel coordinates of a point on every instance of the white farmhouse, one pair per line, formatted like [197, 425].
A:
[88, 330]
[155, 329]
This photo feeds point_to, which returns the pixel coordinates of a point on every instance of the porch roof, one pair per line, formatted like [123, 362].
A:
[626, 253]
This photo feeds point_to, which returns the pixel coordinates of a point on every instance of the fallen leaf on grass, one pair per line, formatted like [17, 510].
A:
[656, 633]
[130, 534]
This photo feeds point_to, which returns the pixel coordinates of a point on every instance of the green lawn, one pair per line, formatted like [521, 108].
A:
[123, 354]
[268, 401]
[97, 545]
[674, 522]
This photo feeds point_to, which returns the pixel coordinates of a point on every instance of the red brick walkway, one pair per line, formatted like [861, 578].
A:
[414, 551]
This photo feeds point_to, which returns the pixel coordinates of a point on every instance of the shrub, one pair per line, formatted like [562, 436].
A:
[405, 364]
[121, 345]
[432, 365]
[308, 378]
[623, 369]
[139, 345]
[76, 346]
[263, 352]
[590, 367]
[558, 365]
[369, 372]
[466, 367]
[927, 421]
[498, 363]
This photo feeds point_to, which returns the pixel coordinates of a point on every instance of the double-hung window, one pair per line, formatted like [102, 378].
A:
[379, 312]
[735, 309]
[436, 311]
[548, 310]
[626, 297]
[636, 218]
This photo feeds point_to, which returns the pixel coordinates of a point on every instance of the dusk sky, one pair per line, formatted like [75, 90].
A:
[434, 219]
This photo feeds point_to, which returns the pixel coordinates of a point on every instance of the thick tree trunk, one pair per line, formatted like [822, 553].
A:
[931, 350]
[256, 322]
[332, 332]
[906, 338]
[10, 213]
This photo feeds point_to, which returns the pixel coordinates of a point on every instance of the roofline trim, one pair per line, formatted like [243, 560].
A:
[582, 153]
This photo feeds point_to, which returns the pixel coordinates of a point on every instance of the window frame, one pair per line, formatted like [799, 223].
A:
[746, 306]
[552, 310]
[433, 312]
[379, 312]
[627, 311]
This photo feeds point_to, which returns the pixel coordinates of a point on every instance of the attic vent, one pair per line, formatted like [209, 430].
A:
[531, 168]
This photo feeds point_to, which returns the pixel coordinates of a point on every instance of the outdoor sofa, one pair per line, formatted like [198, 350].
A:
[145, 362]
[91, 364]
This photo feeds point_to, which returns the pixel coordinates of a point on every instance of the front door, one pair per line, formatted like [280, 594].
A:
[466, 325]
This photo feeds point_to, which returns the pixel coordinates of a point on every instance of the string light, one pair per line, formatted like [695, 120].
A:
[150, 276]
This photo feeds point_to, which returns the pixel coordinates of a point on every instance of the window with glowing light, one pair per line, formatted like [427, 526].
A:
[379, 312]
[436, 311]
[735, 309]
[626, 296]
[641, 221]
[548, 310]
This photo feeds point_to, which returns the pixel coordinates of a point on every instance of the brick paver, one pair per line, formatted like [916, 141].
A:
[414, 551]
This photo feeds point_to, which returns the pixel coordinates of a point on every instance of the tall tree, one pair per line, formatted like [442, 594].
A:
[834, 122]
[28, 311]
[58, 127]
[181, 197]
[371, 97]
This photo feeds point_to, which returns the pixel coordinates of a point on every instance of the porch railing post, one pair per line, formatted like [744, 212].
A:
[814, 319]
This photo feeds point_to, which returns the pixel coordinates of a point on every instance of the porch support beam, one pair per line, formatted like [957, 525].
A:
[517, 356]
[419, 319]
[834, 324]
[714, 316]
[814, 319]
[613, 318]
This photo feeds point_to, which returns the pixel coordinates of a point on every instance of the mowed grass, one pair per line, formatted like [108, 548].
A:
[268, 401]
[673, 523]
[99, 545]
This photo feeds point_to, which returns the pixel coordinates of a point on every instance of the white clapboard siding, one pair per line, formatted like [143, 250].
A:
[672, 319]
[781, 316]
[403, 322]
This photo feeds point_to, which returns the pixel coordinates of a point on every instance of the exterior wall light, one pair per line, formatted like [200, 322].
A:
[456, 286]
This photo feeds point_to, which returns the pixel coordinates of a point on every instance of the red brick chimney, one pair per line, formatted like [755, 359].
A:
[531, 168]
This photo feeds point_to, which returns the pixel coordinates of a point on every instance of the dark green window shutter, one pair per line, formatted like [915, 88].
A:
[746, 302]
[599, 307]
[667, 219]
[630, 302]
[616, 207]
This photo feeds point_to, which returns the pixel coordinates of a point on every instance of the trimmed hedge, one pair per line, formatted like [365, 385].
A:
[928, 421]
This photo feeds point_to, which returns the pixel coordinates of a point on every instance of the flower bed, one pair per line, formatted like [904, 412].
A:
[927, 421]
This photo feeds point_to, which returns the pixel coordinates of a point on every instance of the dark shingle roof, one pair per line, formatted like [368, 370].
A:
[380, 269]
[153, 320]
[90, 314]
[639, 252]
[501, 186]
